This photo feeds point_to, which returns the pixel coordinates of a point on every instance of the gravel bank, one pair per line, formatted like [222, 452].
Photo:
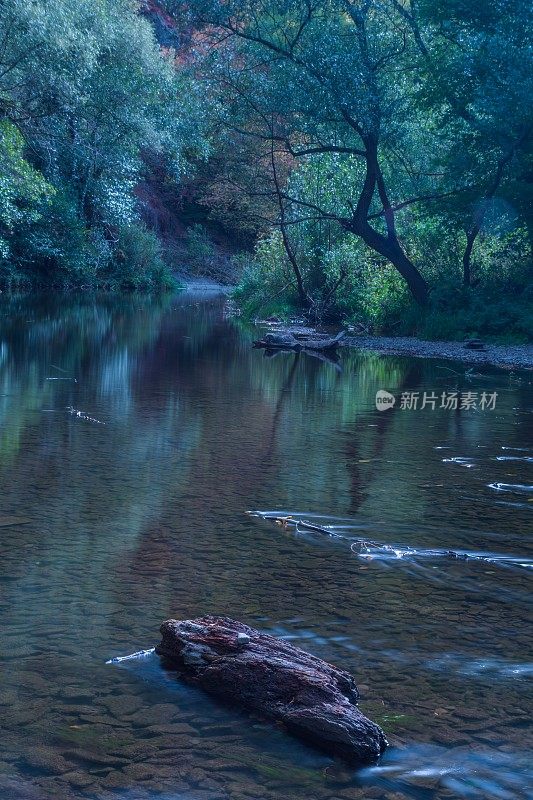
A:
[203, 285]
[517, 356]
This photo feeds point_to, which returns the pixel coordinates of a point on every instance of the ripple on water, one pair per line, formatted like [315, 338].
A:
[490, 667]
[527, 459]
[132, 656]
[511, 487]
[459, 663]
[485, 775]
[462, 461]
[373, 550]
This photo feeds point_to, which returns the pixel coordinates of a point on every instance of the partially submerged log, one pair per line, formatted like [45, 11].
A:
[367, 548]
[297, 341]
[315, 700]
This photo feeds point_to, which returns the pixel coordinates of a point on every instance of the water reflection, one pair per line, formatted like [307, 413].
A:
[107, 529]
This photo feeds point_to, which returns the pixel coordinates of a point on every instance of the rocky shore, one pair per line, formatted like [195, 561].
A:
[506, 356]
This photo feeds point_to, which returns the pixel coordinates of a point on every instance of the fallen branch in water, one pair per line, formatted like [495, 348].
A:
[292, 341]
[369, 549]
[132, 656]
[82, 415]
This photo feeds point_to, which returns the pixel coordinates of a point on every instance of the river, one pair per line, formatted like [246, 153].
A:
[134, 435]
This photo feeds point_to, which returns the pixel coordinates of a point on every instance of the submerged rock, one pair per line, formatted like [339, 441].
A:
[315, 700]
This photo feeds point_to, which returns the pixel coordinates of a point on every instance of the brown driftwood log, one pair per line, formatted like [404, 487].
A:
[292, 341]
[315, 700]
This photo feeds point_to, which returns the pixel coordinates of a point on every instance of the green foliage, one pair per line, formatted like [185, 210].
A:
[138, 261]
[84, 91]
[373, 293]
[266, 285]
[465, 314]
[23, 189]
[386, 132]
[377, 145]
[59, 249]
[374, 298]
[200, 248]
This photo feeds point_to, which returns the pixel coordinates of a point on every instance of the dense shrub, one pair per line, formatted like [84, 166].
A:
[199, 245]
[138, 261]
[266, 284]
[374, 298]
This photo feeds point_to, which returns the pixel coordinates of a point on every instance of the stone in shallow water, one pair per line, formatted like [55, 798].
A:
[154, 715]
[110, 722]
[47, 760]
[122, 705]
[77, 693]
[177, 728]
[33, 682]
[96, 759]
[8, 697]
[139, 772]
[79, 779]
[315, 700]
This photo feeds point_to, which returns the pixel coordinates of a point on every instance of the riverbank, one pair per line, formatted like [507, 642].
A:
[506, 356]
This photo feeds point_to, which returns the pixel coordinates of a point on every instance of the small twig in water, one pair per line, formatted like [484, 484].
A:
[83, 415]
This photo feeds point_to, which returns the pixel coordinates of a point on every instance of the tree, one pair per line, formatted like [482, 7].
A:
[89, 89]
[23, 190]
[379, 86]
[475, 62]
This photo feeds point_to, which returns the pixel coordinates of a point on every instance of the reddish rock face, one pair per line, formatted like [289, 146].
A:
[165, 28]
[315, 700]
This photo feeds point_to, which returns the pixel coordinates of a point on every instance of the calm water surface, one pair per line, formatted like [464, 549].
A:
[132, 511]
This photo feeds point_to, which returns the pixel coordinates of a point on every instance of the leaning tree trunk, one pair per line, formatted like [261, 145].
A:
[388, 245]
[390, 248]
